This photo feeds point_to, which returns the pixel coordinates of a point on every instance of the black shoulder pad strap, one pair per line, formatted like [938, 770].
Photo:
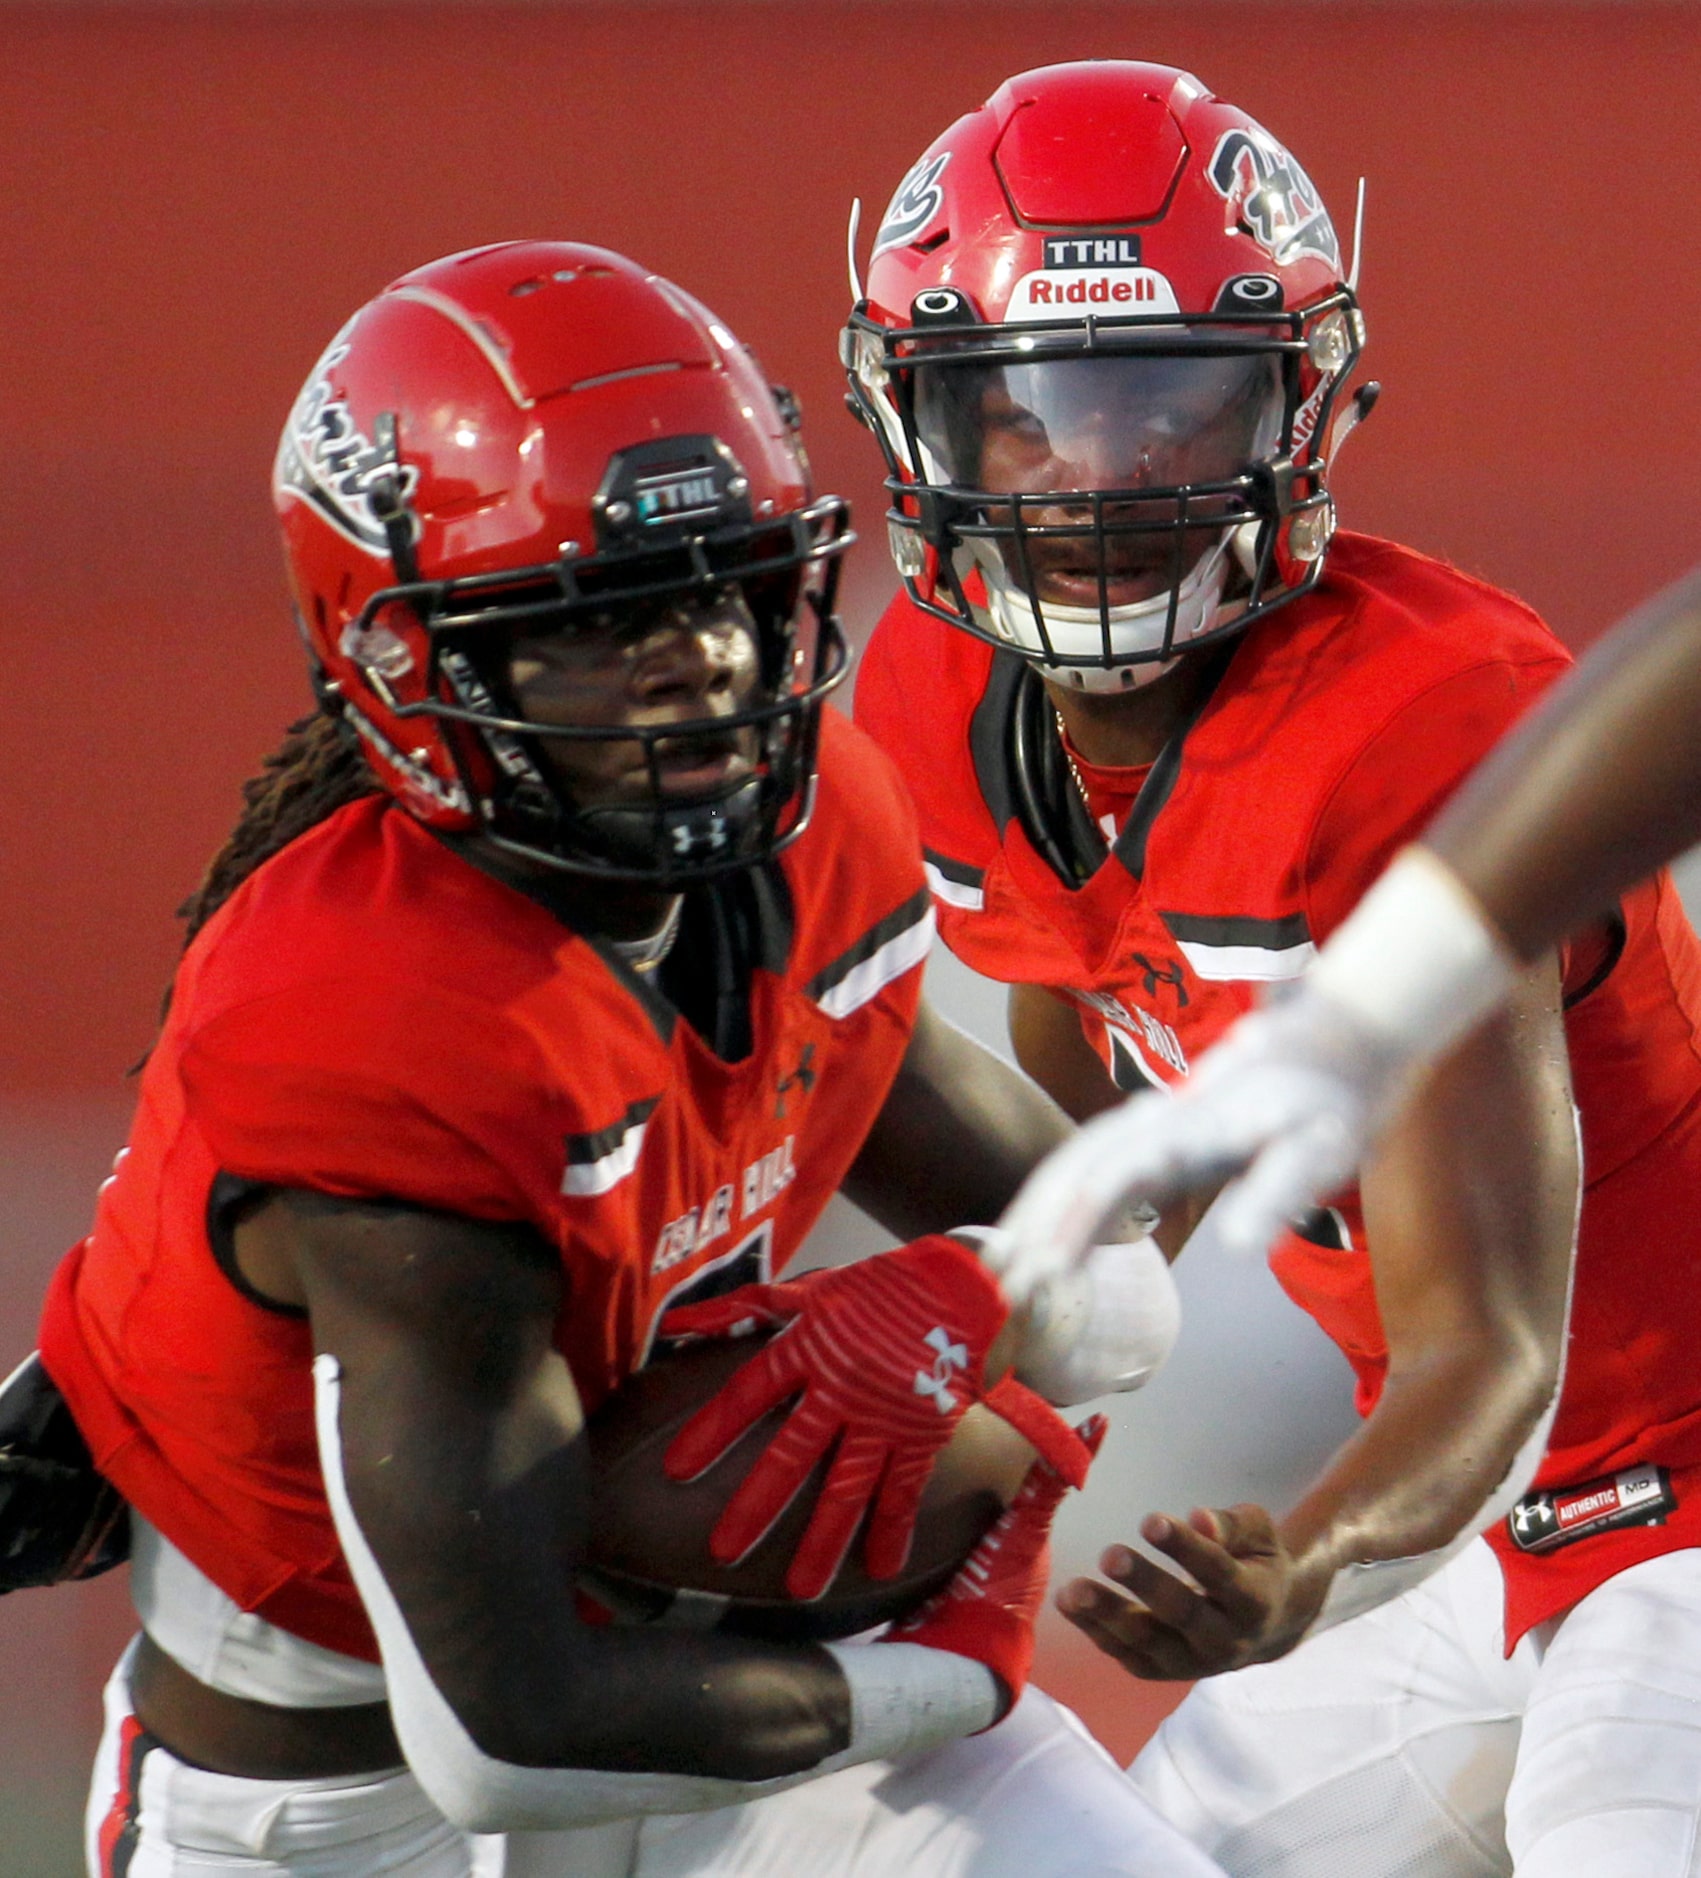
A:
[1023, 772]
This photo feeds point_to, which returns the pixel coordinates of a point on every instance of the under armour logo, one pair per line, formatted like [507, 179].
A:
[803, 1078]
[948, 1358]
[1169, 974]
[1534, 1517]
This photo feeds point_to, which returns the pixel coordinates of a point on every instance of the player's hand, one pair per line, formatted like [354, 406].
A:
[989, 1608]
[1249, 1601]
[883, 1358]
[1293, 1095]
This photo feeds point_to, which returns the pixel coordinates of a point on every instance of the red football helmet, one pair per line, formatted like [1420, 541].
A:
[534, 436]
[1105, 328]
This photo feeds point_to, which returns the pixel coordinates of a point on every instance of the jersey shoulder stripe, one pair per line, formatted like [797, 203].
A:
[1239, 946]
[955, 882]
[599, 1161]
[889, 948]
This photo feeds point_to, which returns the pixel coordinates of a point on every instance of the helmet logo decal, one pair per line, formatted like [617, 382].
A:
[677, 495]
[1072, 292]
[1271, 198]
[1092, 250]
[918, 200]
[673, 484]
[325, 458]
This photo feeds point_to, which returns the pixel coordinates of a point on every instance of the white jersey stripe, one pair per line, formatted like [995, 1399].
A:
[953, 892]
[901, 953]
[1265, 964]
[1120, 1038]
[586, 1179]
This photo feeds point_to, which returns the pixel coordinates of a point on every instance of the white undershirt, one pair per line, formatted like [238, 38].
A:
[229, 1649]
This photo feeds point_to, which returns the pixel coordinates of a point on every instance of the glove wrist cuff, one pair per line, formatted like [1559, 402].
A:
[1045, 1431]
[1417, 962]
[998, 1642]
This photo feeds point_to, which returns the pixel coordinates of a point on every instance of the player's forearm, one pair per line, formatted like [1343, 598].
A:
[1601, 785]
[1470, 1212]
[1046, 1036]
[471, 1530]
[1451, 1444]
[746, 1724]
[661, 1701]
[516, 1716]
[533, 1686]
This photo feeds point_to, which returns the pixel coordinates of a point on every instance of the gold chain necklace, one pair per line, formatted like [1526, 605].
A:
[1069, 758]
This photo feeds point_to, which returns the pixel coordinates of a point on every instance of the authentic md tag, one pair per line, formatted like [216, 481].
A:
[1639, 1496]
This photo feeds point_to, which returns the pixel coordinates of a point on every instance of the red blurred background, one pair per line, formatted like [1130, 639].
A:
[194, 197]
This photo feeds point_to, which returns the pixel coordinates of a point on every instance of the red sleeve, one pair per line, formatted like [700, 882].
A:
[1404, 772]
[856, 766]
[861, 893]
[368, 1091]
[919, 687]
[878, 701]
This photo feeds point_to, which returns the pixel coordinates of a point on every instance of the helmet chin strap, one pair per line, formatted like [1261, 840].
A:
[1137, 628]
[1107, 680]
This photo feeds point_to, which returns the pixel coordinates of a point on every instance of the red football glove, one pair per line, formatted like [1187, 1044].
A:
[988, 1610]
[885, 1356]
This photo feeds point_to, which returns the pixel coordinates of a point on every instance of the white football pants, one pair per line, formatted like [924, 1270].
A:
[1035, 1797]
[1404, 1744]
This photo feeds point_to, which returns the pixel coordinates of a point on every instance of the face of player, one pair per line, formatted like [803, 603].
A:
[682, 659]
[1123, 423]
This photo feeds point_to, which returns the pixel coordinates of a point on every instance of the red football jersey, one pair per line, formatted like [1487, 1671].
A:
[371, 1016]
[1338, 727]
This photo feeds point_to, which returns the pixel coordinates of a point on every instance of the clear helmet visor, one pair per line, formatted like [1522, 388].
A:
[1168, 438]
[1099, 422]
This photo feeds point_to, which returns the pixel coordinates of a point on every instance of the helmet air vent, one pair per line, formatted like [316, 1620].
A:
[1256, 294]
[941, 306]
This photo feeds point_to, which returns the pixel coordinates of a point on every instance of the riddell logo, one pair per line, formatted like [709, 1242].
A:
[1072, 292]
[1101, 291]
[948, 1359]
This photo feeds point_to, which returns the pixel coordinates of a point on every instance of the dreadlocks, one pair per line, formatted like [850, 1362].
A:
[316, 770]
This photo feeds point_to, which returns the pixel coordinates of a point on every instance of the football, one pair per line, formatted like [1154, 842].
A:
[648, 1558]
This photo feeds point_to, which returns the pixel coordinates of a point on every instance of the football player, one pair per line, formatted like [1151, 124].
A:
[562, 966]
[1164, 726]
[1595, 789]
